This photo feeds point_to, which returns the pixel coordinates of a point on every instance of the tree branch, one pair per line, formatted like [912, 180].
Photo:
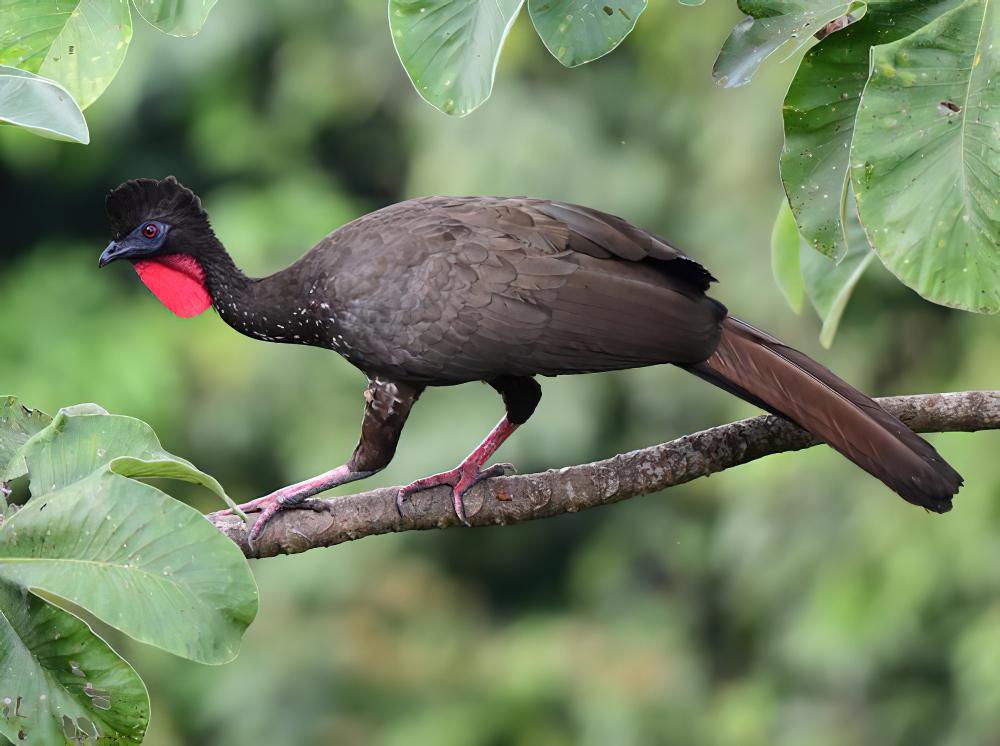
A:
[514, 499]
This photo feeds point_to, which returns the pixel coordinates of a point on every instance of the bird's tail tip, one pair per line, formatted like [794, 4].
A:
[766, 372]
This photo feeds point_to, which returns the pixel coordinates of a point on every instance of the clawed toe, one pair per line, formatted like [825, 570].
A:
[461, 479]
[467, 473]
[497, 470]
[253, 506]
[275, 504]
[269, 506]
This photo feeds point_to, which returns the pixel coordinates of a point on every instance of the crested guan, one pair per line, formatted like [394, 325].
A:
[443, 290]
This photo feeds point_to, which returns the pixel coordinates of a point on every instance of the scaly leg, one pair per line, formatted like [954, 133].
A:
[521, 395]
[467, 473]
[387, 405]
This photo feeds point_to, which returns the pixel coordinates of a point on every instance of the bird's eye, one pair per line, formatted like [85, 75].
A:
[150, 230]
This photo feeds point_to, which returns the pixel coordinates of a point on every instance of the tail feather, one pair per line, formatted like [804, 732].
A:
[762, 370]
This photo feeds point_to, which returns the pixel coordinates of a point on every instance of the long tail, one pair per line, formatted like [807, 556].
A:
[758, 368]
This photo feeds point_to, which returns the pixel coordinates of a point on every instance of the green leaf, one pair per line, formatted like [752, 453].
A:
[53, 667]
[139, 453]
[770, 25]
[79, 44]
[450, 48]
[124, 551]
[119, 549]
[819, 114]
[175, 17]
[41, 106]
[578, 31]
[829, 285]
[18, 424]
[84, 439]
[785, 243]
[926, 158]
[137, 559]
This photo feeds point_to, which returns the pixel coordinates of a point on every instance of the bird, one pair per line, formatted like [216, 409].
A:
[441, 291]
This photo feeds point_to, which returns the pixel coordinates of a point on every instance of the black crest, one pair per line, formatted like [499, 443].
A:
[138, 200]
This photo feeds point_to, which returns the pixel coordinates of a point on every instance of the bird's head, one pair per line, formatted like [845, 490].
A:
[161, 228]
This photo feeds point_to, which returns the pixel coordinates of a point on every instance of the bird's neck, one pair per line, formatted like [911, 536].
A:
[225, 282]
[263, 308]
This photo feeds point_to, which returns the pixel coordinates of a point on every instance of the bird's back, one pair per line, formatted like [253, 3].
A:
[443, 290]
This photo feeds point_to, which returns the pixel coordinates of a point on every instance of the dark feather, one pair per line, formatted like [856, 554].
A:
[140, 200]
[766, 372]
[443, 290]
[515, 286]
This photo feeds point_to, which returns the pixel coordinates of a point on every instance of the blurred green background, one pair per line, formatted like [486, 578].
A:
[792, 601]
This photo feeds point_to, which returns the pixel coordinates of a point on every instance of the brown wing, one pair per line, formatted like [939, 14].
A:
[449, 290]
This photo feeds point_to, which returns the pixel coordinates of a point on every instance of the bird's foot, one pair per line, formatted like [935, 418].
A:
[461, 479]
[270, 505]
[295, 497]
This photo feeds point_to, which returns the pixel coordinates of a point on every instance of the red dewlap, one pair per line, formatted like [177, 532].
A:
[178, 281]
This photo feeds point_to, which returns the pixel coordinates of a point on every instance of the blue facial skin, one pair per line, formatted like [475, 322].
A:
[146, 240]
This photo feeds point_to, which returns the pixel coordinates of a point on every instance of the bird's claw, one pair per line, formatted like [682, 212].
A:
[507, 470]
[461, 479]
[249, 507]
[269, 506]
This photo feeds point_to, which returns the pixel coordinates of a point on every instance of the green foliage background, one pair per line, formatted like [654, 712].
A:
[794, 601]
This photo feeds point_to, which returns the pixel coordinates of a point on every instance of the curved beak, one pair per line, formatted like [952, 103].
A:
[124, 249]
[110, 254]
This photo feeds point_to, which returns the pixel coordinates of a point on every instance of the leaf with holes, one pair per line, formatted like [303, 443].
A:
[819, 113]
[771, 25]
[78, 44]
[119, 549]
[829, 285]
[176, 17]
[578, 31]
[54, 670]
[41, 106]
[18, 424]
[926, 157]
[450, 48]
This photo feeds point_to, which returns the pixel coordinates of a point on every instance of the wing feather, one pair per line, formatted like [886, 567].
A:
[460, 289]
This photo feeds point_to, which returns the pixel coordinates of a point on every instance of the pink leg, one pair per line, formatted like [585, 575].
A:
[294, 496]
[467, 473]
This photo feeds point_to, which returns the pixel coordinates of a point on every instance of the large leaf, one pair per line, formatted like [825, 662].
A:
[785, 264]
[137, 559]
[578, 31]
[176, 17]
[94, 536]
[769, 26]
[121, 550]
[18, 424]
[60, 681]
[829, 285]
[926, 157]
[41, 106]
[819, 114]
[450, 48]
[80, 44]
[85, 439]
